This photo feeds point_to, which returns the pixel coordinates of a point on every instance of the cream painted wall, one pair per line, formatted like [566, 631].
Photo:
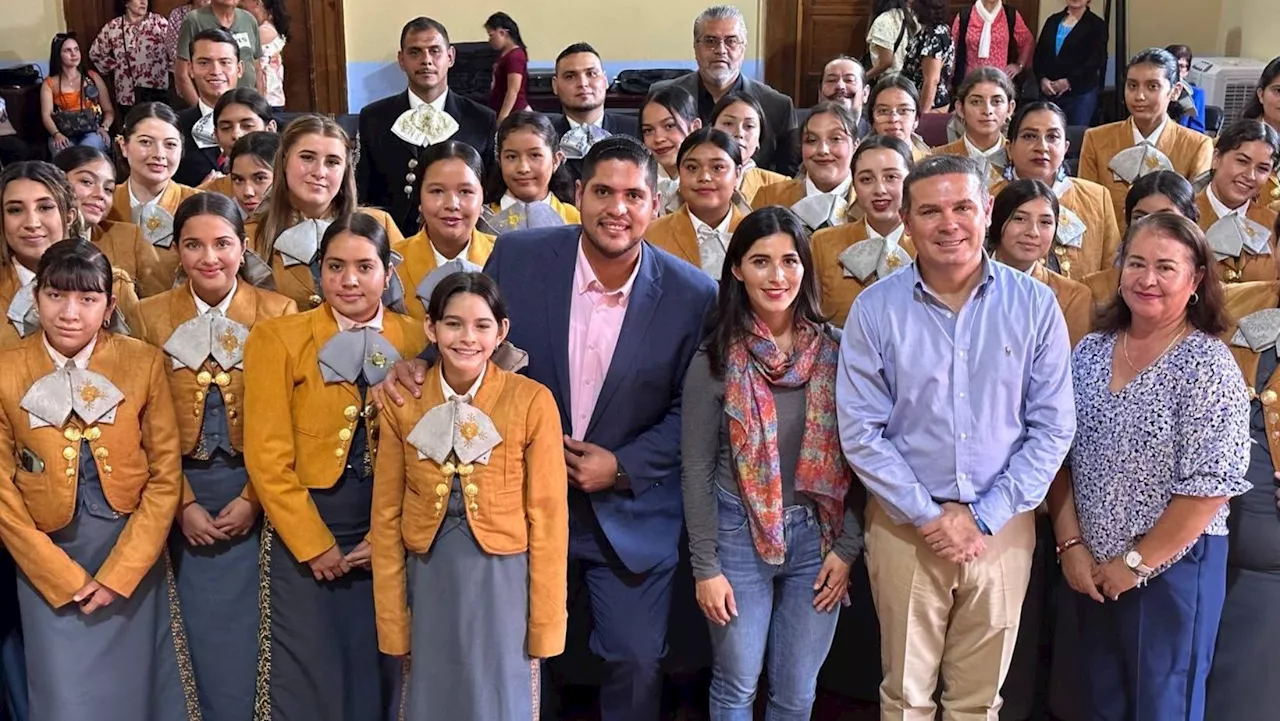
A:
[1260, 29]
[26, 29]
[621, 30]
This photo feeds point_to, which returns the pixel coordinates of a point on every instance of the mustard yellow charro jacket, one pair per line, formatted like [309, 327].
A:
[1074, 298]
[298, 428]
[521, 503]
[296, 282]
[137, 457]
[122, 286]
[1102, 234]
[1247, 267]
[419, 260]
[170, 199]
[161, 316]
[127, 249]
[221, 184]
[675, 234]
[753, 179]
[1190, 152]
[838, 288]
[1243, 299]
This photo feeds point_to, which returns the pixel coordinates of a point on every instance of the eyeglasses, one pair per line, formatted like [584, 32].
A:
[711, 42]
[884, 113]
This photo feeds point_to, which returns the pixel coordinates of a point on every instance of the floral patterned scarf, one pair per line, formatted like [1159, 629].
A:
[752, 365]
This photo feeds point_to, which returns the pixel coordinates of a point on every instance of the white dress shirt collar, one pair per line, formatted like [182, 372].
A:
[1154, 137]
[81, 361]
[346, 324]
[416, 102]
[450, 394]
[1221, 208]
[222, 306]
[840, 191]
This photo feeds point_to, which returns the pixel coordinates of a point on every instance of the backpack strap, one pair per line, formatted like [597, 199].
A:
[1011, 16]
[961, 42]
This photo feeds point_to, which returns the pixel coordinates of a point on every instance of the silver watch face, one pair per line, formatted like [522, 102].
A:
[1133, 559]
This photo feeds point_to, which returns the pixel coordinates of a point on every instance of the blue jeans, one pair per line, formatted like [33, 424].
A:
[1079, 108]
[775, 614]
[91, 139]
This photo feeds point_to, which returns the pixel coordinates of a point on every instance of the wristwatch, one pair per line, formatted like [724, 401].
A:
[1133, 560]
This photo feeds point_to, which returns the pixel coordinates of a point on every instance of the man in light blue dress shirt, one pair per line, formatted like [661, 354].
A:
[956, 410]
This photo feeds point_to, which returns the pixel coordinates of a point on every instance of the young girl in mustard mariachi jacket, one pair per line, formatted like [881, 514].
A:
[310, 437]
[850, 257]
[202, 326]
[532, 189]
[89, 482]
[823, 194]
[1239, 228]
[152, 144]
[449, 192]
[92, 176]
[471, 522]
[741, 116]
[667, 116]
[314, 183]
[1116, 154]
[710, 166]
[39, 210]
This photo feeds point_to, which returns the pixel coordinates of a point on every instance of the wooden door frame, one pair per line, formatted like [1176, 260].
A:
[325, 32]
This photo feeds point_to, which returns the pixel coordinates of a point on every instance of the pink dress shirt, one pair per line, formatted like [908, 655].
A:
[595, 322]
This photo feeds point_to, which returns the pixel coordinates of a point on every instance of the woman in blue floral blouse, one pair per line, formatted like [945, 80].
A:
[1162, 444]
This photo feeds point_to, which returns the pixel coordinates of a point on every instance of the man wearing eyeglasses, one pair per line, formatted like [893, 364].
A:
[719, 45]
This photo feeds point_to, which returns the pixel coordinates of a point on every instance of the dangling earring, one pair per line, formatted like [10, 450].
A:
[1195, 298]
[1062, 174]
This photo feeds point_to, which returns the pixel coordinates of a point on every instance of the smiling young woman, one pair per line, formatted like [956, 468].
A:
[218, 515]
[313, 184]
[1245, 157]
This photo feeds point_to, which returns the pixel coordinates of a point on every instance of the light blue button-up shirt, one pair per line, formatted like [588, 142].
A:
[974, 407]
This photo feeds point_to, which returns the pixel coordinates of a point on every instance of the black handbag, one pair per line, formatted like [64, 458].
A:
[75, 124]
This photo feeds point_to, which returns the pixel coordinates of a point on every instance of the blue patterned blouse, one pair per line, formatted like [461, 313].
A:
[1181, 427]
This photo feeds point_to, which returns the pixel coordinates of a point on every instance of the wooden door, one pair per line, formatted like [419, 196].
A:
[315, 58]
[801, 36]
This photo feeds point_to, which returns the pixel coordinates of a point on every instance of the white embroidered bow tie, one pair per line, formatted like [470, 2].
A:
[208, 335]
[424, 125]
[51, 400]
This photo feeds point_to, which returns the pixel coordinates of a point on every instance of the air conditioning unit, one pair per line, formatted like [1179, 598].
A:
[1228, 83]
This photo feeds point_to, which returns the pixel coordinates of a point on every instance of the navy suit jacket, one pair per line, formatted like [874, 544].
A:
[637, 416]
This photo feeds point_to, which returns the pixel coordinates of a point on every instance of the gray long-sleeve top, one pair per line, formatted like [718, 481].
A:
[707, 463]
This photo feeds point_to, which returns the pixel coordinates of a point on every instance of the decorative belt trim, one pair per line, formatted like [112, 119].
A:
[179, 630]
[262, 692]
[535, 682]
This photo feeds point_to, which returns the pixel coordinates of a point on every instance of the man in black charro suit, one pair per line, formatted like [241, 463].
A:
[388, 163]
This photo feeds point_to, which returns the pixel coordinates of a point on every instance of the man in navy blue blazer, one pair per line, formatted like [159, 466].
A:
[610, 324]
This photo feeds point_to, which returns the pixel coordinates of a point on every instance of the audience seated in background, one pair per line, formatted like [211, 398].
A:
[1188, 100]
[74, 103]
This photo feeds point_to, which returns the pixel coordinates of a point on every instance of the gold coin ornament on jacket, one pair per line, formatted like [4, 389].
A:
[204, 378]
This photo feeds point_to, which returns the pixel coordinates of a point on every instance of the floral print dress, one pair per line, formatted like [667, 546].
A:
[135, 55]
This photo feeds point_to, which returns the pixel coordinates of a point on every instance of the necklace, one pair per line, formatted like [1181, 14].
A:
[1124, 348]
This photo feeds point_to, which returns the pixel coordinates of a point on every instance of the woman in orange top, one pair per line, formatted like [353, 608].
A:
[314, 183]
[89, 483]
[1237, 226]
[849, 258]
[741, 116]
[310, 442]
[152, 144]
[74, 88]
[822, 195]
[93, 178]
[710, 166]
[202, 325]
[470, 522]
[449, 193]
[1024, 219]
[1117, 154]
